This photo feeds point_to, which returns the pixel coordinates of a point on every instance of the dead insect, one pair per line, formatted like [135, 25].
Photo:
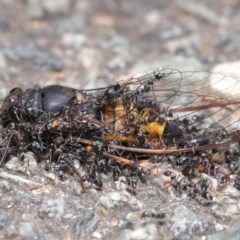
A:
[122, 127]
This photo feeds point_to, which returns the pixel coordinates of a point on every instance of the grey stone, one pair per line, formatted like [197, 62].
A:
[148, 232]
[186, 221]
[73, 24]
[29, 163]
[85, 225]
[4, 217]
[49, 236]
[226, 206]
[5, 187]
[2, 61]
[187, 46]
[232, 233]
[47, 8]
[56, 7]
[231, 44]
[111, 199]
[74, 40]
[33, 9]
[52, 208]
[202, 11]
[24, 230]
[34, 54]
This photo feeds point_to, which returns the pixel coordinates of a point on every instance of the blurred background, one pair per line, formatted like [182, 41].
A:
[88, 44]
[82, 43]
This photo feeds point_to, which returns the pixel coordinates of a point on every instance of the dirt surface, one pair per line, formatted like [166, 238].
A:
[89, 44]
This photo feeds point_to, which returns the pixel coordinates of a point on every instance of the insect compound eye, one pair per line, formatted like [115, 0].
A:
[55, 98]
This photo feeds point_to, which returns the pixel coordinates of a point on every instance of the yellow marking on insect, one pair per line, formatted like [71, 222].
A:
[154, 132]
[152, 129]
[109, 116]
[120, 116]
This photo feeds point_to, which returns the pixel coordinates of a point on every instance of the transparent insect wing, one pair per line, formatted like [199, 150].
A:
[214, 96]
[163, 84]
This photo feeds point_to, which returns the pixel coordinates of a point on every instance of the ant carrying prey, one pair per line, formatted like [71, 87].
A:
[121, 127]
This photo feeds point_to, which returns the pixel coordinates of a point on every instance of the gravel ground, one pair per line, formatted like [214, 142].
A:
[88, 44]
